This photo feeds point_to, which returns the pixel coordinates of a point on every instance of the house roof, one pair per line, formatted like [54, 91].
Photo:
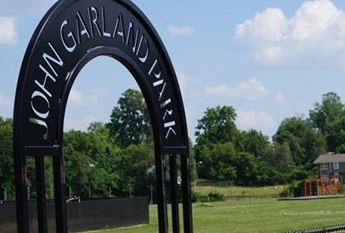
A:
[330, 158]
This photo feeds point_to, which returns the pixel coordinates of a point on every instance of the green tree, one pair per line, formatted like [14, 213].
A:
[77, 163]
[129, 120]
[247, 169]
[216, 126]
[305, 143]
[216, 162]
[336, 135]
[327, 111]
[255, 143]
[281, 156]
[6, 158]
[89, 158]
[134, 165]
[325, 114]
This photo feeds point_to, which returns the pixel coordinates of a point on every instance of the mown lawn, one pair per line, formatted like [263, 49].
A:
[229, 191]
[256, 216]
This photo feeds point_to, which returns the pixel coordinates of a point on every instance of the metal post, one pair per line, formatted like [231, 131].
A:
[161, 199]
[41, 195]
[174, 194]
[186, 193]
[21, 192]
[60, 199]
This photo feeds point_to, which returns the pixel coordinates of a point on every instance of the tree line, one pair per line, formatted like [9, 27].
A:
[226, 153]
[117, 158]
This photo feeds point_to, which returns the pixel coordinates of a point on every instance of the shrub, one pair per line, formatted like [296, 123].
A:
[210, 197]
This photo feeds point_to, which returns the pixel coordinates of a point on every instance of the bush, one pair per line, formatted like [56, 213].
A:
[213, 197]
[294, 189]
[285, 193]
[210, 197]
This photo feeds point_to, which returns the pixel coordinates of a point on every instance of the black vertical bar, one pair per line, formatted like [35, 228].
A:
[21, 191]
[174, 194]
[41, 195]
[161, 199]
[60, 199]
[186, 194]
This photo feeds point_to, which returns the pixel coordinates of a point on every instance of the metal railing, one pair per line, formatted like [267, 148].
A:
[324, 229]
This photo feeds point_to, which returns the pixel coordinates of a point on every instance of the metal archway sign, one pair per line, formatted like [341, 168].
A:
[71, 34]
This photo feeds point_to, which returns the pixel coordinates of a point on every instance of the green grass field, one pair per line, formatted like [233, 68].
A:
[256, 216]
[241, 191]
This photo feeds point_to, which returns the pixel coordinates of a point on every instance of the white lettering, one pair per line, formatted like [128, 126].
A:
[57, 60]
[167, 112]
[94, 20]
[144, 57]
[119, 28]
[107, 34]
[130, 33]
[161, 92]
[47, 75]
[41, 114]
[165, 103]
[69, 35]
[169, 124]
[157, 75]
[81, 26]
[41, 123]
[170, 130]
[135, 43]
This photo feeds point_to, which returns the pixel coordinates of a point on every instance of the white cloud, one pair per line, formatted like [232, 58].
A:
[78, 123]
[270, 25]
[253, 119]
[315, 32]
[279, 98]
[180, 30]
[8, 30]
[250, 89]
[78, 98]
[269, 55]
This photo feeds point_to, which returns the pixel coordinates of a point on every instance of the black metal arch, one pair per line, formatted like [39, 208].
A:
[72, 33]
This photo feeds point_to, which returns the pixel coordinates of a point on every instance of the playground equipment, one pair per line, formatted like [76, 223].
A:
[320, 188]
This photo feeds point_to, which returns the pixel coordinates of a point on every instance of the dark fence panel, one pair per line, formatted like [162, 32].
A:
[100, 214]
[85, 215]
[7, 217]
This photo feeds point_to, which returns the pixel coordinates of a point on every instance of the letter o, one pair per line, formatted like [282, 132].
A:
[38, 94]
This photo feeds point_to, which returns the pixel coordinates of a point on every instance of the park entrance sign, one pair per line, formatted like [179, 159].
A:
[72, 33]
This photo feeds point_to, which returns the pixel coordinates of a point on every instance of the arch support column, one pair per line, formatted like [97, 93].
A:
[54, 57]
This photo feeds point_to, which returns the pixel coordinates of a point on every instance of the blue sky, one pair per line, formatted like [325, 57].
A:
[268, 59]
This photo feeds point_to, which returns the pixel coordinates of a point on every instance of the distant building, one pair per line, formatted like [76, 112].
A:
[331, 166]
